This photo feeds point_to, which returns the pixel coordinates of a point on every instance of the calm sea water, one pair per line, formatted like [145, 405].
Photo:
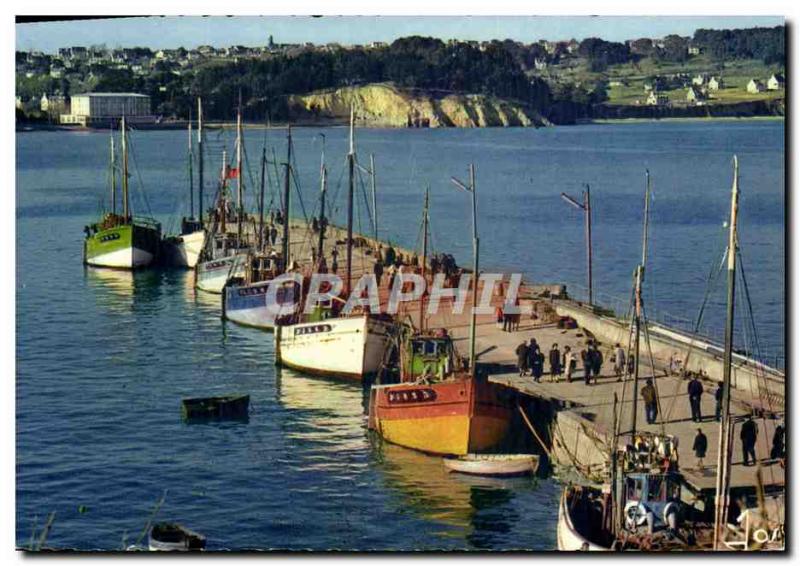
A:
[103, 358]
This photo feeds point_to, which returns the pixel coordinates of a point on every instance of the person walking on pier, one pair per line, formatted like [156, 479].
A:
[377, 269]
[533, 352]
[334, 260]
[597, 361]
[700, 447]
[522, 359]
[273, 234]
[718, 398]
[748, 436]
[586, 359]
[695, 390]
[650, 401]
[537, 365]
[569, 363]
[619, 361]
[555, 363]
[778, 443]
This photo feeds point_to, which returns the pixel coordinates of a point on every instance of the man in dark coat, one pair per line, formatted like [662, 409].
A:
[748, 436]
[537, 365]
[586, 359]
[700, 447]
[522, 358]
[695, 390]
[718, 398]
[555, 363]
[377, 269]
[597, 362]
[650, 401]
[778, 443]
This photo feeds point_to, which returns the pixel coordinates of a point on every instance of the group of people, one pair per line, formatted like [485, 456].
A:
[530, 358]
[748, 435]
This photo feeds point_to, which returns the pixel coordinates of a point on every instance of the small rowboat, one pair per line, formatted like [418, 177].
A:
[494, 464]
[234, 407]
[174, 537]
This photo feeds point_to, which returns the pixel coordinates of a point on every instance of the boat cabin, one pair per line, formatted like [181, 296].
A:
[655, 495]
[430, 356]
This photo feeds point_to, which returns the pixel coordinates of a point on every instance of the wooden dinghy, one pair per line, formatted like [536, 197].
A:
[174, 537]
[494, 464]
[228, 407]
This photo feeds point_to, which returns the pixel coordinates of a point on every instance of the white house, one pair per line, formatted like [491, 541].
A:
[755, 86]
[776, 82]
[715, 83]
[655, 99]
[695, 96]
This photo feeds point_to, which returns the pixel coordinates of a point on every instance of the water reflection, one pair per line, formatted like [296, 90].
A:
[324, 411]
[481, 510]
[122, 291]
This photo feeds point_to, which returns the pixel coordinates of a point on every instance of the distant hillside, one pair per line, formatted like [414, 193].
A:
[386, 105]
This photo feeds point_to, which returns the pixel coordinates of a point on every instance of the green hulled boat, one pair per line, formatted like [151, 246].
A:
[122, 240]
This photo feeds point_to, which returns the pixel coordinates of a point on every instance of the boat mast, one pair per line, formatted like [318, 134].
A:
[374, 198]
[475, 247]
[239, 185]
[113, 177]
[200, 159]
[724, 455]
[125, 200]
[638, 307]
[286, 194]
[351, 162]
[323, 190]
[424, 257]
[222, 204]
[261, 197]
[191, 173]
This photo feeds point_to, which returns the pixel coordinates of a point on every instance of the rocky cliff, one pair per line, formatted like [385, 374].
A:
[385, 105]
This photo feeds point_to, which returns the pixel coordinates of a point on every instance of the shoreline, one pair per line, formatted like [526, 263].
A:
[181, 125]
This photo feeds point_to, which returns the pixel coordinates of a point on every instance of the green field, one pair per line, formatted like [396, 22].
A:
[736, 74]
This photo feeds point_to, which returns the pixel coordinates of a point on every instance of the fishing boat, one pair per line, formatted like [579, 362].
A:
[122, 241]
[245, 297]
[175, 538]
[216, 408]
[440, 406]
[498, 465]
[183, 249]
[642, 508]
[225, 253]
[326, 341]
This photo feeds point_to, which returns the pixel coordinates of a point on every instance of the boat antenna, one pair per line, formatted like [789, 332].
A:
[724, 453]
[374, 196]
[637, 318]
[200, 159]
[323, 190]
[286, 196]
[125, 199]
[191, 173]
[475, 247]
[424, 257]
[113, 175]
[239, 176]
[351, 161]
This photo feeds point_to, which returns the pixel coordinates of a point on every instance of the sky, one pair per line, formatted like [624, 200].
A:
[191, 31]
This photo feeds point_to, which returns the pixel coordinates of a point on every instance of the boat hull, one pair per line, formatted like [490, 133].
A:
[183, 250]
[127, 246]
[247, 304]
[568, 538]
[350, 348]
[494, 465]
[447, 418]
[211, 276]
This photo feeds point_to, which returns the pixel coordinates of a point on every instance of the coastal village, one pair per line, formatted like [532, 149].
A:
[642, 423]
[673, 76]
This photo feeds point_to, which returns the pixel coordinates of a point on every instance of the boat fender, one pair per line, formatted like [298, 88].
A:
[635, 514]
[671, 515]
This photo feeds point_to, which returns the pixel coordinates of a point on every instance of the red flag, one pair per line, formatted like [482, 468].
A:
[233, 173]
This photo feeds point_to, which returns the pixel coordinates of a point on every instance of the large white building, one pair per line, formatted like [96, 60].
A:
[104, 108]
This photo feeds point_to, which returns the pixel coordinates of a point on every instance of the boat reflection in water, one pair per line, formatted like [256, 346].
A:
[121, 291]
[477, 509]
[324, 411]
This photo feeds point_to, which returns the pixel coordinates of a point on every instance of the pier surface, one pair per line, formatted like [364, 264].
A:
[585, 415]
